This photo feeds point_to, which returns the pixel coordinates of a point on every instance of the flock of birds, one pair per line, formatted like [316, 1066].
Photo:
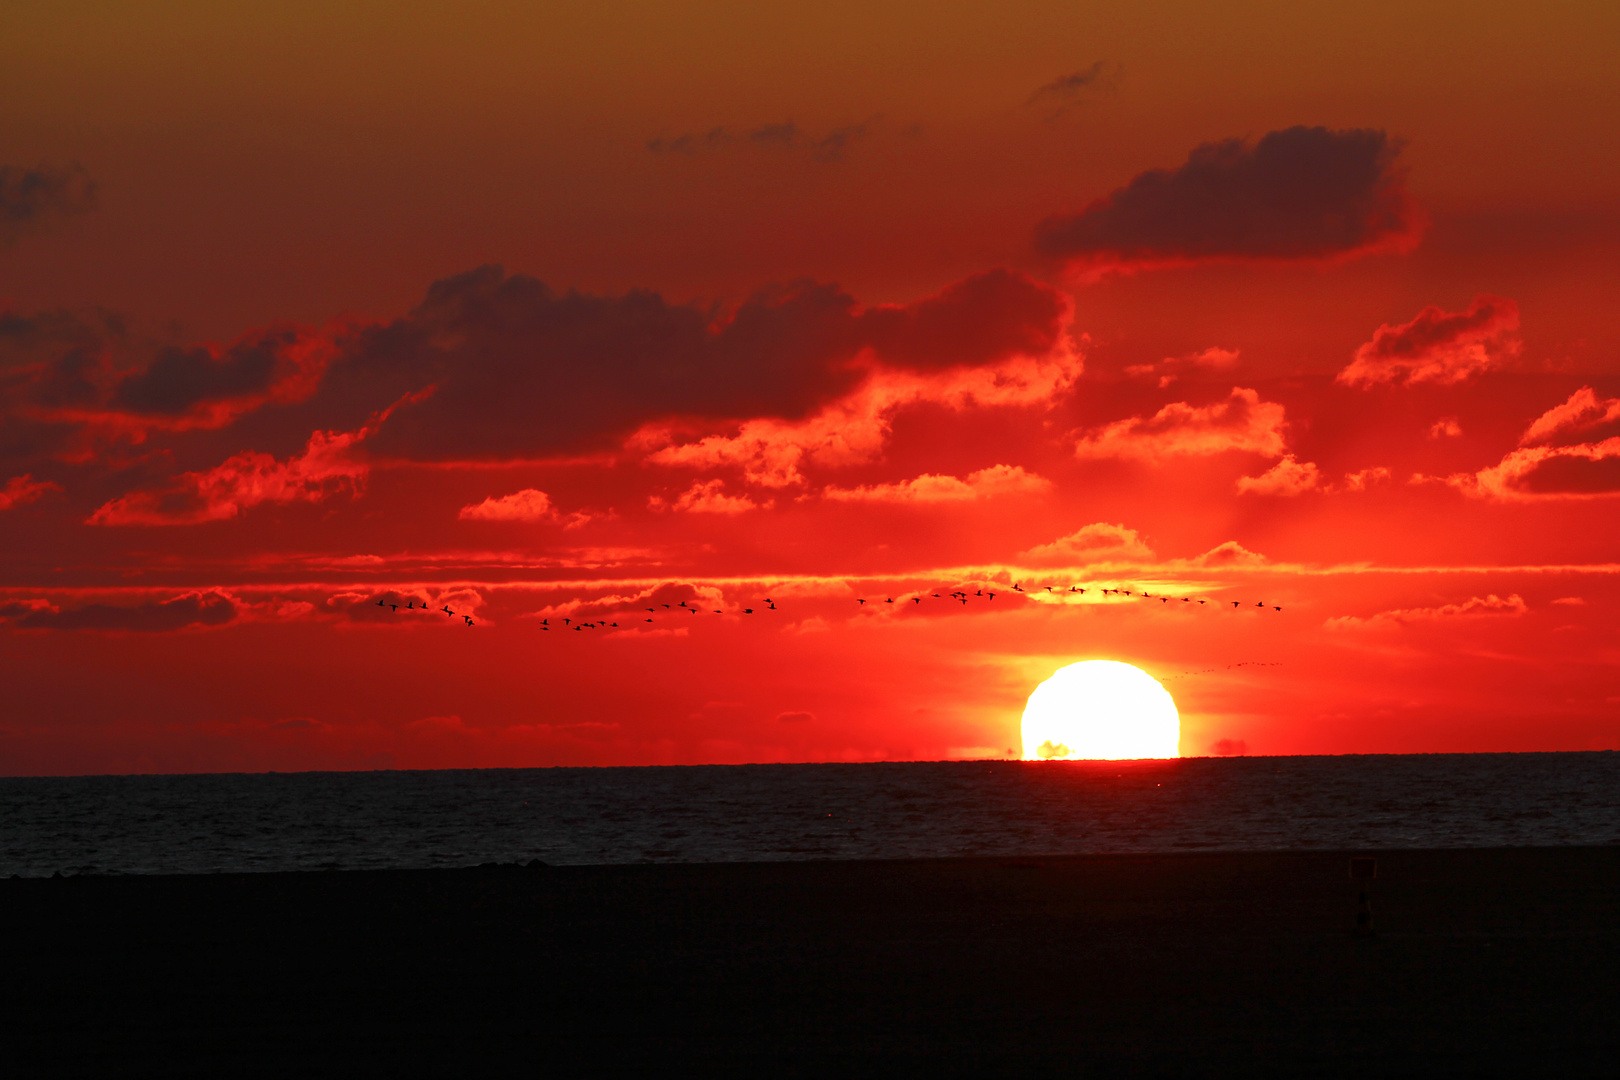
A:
[961, 596]
[410, 605]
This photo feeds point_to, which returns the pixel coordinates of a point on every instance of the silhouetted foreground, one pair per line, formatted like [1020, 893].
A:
[1501, 962]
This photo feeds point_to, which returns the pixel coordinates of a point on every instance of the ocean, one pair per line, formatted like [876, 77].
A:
[200, 824]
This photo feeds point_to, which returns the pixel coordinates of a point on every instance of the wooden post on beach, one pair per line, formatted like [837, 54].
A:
[1363, 869]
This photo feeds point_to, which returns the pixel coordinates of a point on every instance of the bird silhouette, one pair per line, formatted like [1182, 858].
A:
[1234, 603]
[992, 595]
[916, 599]
[860, 601]
[446, 610]
[748, 611]
[382, 603]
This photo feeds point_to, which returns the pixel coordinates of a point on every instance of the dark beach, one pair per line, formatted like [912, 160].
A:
[1484, 962]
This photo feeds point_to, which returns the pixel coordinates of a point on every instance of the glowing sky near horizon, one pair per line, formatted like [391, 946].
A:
[544, 314]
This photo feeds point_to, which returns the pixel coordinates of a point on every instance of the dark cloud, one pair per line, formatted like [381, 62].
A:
[181, 378]
[198, 609]
[1064, 91]
[694, 142]
[831, 146]
[1300, 193]
[31, 199]
[517, 368]
[74, 385]
[785, 134]
[1573, 474]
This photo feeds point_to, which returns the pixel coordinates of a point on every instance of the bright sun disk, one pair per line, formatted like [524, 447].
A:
[1101, 709]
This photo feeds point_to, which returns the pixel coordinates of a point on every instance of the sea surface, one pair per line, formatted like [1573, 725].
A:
[729, 813]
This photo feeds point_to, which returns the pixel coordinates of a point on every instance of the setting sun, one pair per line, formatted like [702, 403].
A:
[1100, 709]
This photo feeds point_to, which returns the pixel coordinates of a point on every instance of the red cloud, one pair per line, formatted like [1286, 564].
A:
[192, 609]
[243, 481]
[1473, 607]
[1548, 464]
[1584, 470]
[530, 504]
[1098, 542]
[1300, 193]
[1438, 346]
[1241, 422]
[707, 497]
[929, 488]
[772, 452]
[24, 489]
[1582, 414]
[1287, 477]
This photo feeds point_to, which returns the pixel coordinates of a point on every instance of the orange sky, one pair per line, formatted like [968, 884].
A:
[538, 314]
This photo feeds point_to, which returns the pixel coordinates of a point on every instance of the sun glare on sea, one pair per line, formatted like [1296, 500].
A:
[1100, 709]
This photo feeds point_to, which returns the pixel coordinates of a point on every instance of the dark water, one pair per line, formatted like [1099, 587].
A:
[302, 821]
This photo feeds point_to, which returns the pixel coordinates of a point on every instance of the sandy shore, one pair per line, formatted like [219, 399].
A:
[1487, 962]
